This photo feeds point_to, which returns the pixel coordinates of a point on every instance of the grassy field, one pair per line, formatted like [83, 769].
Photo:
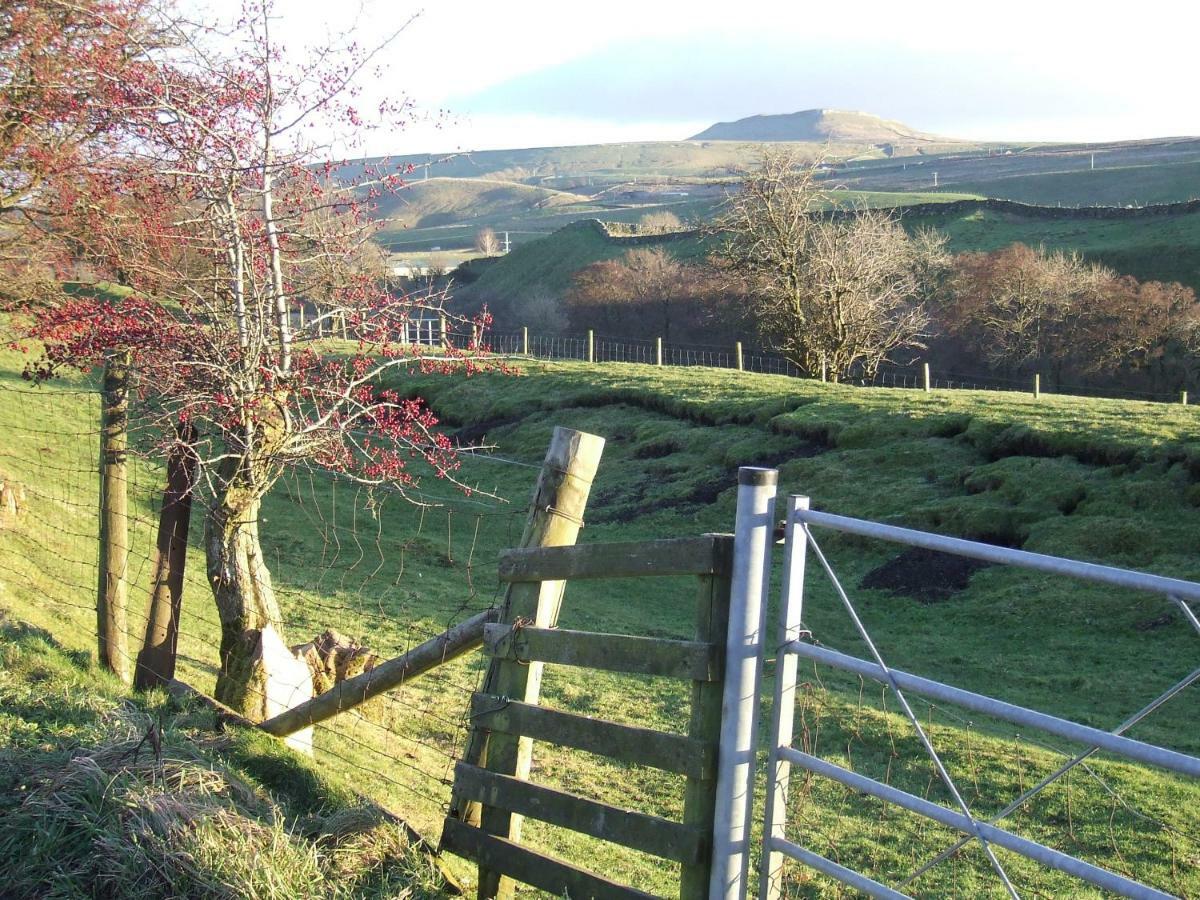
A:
[1162, 248]
[1116, 186]
[1107, 481]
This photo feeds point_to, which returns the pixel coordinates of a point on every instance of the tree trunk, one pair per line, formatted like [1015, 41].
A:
[246, 604]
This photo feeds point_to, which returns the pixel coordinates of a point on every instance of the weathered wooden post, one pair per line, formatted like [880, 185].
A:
[443, 332]
[591, 346]
[113, 590]
[824, 369]
[658, 351]
[555, 518]
[524, 340]
[738, 354]
[1037, 385]
[1183, 397]
[925, 376]
[156, 659]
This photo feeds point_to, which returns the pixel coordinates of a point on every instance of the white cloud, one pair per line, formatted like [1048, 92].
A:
[537, 72]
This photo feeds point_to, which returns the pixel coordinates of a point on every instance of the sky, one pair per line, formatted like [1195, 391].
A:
[530, 73]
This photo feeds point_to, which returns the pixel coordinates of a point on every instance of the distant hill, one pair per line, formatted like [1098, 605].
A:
[443, 201]
[818, 126]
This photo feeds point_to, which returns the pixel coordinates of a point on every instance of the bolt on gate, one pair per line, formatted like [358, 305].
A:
[793, 647]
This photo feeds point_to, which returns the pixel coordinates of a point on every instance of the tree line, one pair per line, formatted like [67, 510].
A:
[851, 292]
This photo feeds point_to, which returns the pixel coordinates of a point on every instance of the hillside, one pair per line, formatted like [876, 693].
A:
[821, 125]
[442, 201]
[1114, 482]
[1161, 247]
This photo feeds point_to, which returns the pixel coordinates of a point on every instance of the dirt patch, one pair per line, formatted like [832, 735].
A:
[928, 576]
[477, 432]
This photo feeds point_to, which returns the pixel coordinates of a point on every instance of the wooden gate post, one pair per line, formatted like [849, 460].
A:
[738, 356]
[555, 518]
[591, 346]
[524, 340]
[156, 660]
[112, 594]
[658, 351]
[700, 794]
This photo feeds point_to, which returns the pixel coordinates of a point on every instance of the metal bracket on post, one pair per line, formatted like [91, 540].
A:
[753, 537]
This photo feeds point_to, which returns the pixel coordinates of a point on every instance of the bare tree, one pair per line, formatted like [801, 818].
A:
[844, 289]
[486, 242]
[1023, 308]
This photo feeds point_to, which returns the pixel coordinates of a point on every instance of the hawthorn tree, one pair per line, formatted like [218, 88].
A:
[221, 216]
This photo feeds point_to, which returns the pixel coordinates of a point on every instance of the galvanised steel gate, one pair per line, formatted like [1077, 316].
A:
[776, 844]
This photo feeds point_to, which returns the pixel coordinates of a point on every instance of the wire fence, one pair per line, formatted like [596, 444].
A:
[381, 571]
[606, 348]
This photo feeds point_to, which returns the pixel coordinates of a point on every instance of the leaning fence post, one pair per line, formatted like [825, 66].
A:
[925, 376]
[658, 352]
[555, 518]
[791, 607]
[113, 589]
[753, 534]
[591, 346]
[738, 354]
[156, 660]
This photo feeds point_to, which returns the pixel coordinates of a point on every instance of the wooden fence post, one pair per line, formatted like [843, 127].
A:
[925, 376]
[156, 660]
[738, 353]
[824, 369]
[700, 794]
[443, 332]
[658, 352]
[591, 346]
[524, 340]
[555, 518]
[112, 595]
[1037, 385]
[1183, 397]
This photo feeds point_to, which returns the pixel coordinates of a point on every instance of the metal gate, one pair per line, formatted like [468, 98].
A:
[795, 644]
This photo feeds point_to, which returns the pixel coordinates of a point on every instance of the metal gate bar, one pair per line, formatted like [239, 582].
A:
[1018, 715]
[998, 836]
[1056, 565]
[791, 648]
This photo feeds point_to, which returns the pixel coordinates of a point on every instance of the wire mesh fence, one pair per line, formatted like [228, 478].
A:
[615, 349]
[383, 572]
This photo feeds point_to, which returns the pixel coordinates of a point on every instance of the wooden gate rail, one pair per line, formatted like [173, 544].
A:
[509, 713]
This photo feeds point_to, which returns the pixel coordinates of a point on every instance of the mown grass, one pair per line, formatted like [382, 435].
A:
[1101, 480]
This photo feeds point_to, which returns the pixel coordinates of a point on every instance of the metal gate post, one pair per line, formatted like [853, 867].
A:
[753, 535]
[783, 708]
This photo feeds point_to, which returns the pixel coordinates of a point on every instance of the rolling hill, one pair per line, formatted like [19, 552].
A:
[834, 126]
[443, 201]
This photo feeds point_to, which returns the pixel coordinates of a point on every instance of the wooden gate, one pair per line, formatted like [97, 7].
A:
[521, 643]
